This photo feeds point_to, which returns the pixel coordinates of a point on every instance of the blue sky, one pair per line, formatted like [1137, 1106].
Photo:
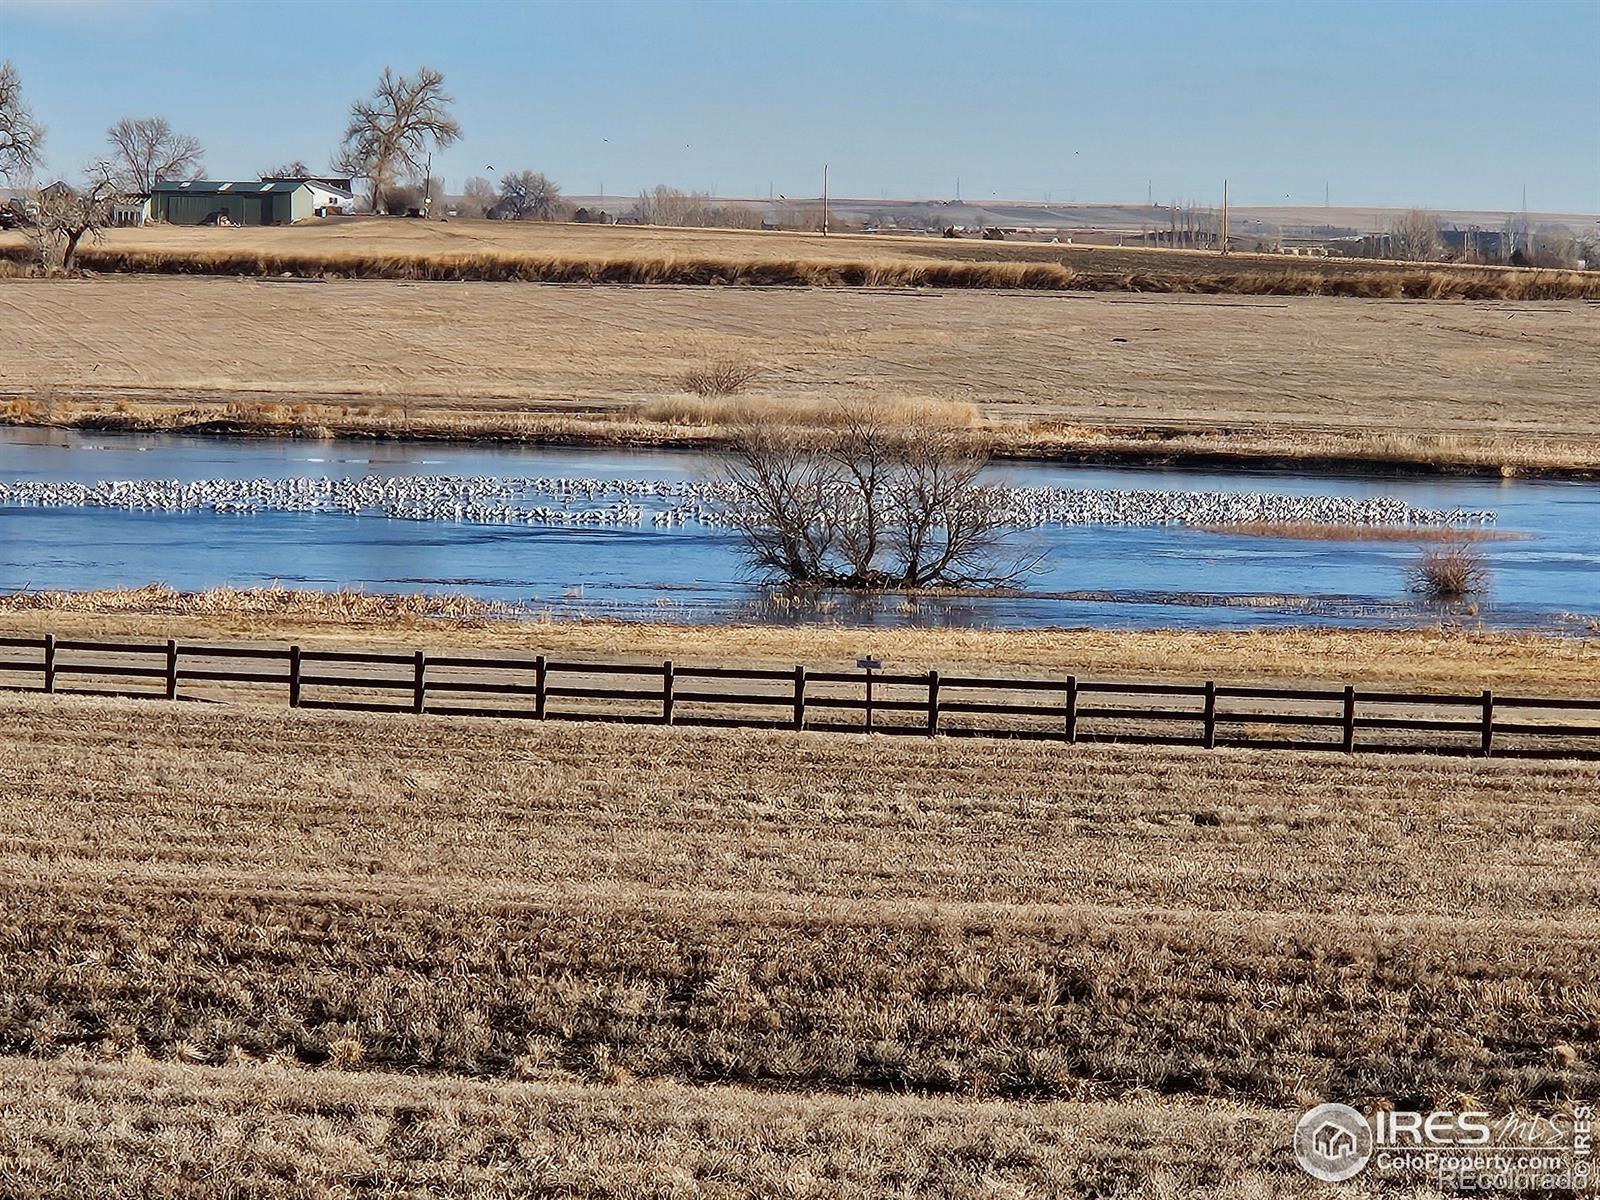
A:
[1437, 104]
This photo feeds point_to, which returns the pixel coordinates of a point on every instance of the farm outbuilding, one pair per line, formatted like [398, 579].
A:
[251, 202]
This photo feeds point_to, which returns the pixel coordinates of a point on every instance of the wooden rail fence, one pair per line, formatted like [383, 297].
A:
[1064, 708]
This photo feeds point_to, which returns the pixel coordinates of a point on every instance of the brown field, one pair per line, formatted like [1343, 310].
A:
[619, 917]
[490, 250]
[1483, 385]
[269, 1132]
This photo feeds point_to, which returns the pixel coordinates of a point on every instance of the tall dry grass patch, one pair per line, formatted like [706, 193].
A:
[723, 414]
[1455, 571]
[705, 270]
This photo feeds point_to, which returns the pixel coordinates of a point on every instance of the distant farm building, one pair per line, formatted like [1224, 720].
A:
[130, 210]
[248, 202]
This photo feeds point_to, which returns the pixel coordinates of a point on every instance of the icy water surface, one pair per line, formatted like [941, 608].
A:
[1162, 575]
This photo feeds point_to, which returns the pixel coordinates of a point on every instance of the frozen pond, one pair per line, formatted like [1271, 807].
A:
[1158, 575]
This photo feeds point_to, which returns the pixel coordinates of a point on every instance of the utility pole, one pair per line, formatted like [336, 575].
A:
[1224, 216]
[824, 199]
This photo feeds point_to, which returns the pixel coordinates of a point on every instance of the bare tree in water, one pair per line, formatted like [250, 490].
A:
[870, 504]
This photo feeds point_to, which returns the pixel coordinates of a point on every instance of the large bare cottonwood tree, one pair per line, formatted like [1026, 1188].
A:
[391, 131]
[529, 196]
[870, 505]
[478, 196]
[21, 137]
[146, 150]
[67, 215]
[1414, 237]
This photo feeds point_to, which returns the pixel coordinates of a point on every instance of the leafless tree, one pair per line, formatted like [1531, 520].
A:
[1414, 237]
[662, 205]
[21, 137]
[723, 375]
[478, 196]
[290, 170]
[68, 215]
[871, 505]
[783, 488]
[529, 196]
[399, 199]
[145, 149]
[1553, 246]
[390, 132]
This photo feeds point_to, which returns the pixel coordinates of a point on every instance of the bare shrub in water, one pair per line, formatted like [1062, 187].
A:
[1447, 573]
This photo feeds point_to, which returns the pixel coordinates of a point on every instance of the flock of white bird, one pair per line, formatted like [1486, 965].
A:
[563, 501]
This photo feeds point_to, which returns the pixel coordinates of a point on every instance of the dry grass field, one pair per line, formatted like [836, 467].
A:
[270, 1132]
[345, 941]
[1159, 377]
[471, 249]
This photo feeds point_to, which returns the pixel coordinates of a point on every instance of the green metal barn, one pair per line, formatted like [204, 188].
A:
[203, 201]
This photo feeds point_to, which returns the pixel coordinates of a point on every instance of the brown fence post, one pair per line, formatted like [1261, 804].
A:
[799, 697]
[1211, 715]
[294, 676]
[1349, 718]
[869, 698]
[666, 692]
[49, 662]
[1488, 722]
[1071, 729]
[933, 703]
[172, 669]
[419, 682]
[541, 669]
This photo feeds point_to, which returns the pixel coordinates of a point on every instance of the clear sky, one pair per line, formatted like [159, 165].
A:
[1430, 103]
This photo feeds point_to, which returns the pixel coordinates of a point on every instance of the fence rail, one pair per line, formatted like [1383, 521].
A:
[1064, 708]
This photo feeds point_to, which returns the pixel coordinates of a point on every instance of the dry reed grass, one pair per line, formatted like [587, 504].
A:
[343, 607]
[695, 270]
[725, 418]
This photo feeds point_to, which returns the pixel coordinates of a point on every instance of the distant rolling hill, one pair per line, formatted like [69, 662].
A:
[1103, 219]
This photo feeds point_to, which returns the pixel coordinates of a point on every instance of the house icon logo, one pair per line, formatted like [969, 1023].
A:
[1332, 1142]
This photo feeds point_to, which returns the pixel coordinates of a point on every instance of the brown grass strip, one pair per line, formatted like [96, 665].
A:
[705, 270]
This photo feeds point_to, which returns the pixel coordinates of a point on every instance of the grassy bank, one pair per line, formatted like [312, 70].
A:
[699, 424]
[1444, 659]
[1201, 276]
